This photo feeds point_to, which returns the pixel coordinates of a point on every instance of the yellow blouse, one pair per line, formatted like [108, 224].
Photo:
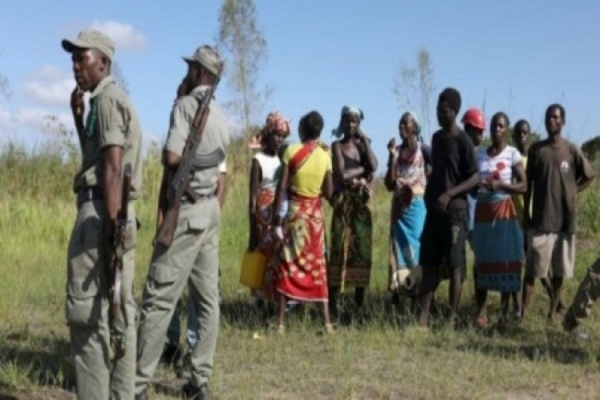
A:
[519, 199]
[309, 178]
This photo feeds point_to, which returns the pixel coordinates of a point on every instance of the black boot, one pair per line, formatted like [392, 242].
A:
[141, 396]
[171, 354]
[194, 392]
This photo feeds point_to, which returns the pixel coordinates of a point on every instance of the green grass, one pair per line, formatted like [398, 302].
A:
[385, 358]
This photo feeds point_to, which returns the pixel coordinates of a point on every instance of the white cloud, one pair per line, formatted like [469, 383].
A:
[34, 120]
[125, 36]
[49, 86]
[48, 71]
[6, 122]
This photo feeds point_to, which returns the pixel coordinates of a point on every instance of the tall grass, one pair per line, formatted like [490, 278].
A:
[385, 358]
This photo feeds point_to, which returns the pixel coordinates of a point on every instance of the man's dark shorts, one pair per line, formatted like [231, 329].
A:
[443, 241]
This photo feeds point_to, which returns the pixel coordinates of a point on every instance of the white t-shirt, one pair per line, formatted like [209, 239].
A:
[500, 166]
[270, 168]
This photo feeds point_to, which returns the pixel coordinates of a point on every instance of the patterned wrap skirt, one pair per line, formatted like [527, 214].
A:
[497, 243]
[351, 241]
[299, 267]
[266, 240]
[405, 243]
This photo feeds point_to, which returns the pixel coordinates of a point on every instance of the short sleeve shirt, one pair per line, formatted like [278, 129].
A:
[270, 169]
[553, 172]
[500, 166]
[111, 121]
[216, 135]
[309, 178]
[453, 161]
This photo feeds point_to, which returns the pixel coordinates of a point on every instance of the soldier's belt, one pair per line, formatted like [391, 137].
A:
[89, 193]
[199, 196]
[208, 160]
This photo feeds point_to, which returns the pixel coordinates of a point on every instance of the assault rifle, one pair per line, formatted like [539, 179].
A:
[170, 202]
[115, 272]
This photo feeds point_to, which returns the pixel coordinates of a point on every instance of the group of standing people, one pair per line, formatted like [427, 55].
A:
[514, 204]
[287, 185]
[443, 195]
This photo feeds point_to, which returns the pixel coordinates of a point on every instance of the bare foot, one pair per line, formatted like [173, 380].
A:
[481, 321]
[554, 318]
[521, 320]
[329, 330]
[502, 325]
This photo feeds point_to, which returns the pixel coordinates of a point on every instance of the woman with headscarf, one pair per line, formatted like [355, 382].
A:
[264, 174]
[354, 164]
[406, 177]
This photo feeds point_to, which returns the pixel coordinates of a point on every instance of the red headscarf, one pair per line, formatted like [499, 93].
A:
[275, 123]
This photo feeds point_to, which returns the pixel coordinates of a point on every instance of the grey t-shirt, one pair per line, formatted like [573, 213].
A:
[553, 173]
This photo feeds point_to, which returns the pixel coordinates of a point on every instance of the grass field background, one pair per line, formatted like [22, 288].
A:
[384, 358]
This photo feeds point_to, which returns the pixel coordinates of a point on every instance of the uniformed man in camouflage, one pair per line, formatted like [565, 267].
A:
[193, 256]
[587, 293]
[110, 139]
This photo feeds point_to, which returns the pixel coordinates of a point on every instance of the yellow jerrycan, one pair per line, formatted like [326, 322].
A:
[253, 269]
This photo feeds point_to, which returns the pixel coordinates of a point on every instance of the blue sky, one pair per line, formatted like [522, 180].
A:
[518, 56]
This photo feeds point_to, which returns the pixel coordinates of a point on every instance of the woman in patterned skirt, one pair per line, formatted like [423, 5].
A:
[300, 264]
[497, 235]
[354, 164]
[264, 174]
[406, 177]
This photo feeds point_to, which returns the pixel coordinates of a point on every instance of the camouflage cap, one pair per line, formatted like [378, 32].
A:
[208, 57]
[90, 39]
